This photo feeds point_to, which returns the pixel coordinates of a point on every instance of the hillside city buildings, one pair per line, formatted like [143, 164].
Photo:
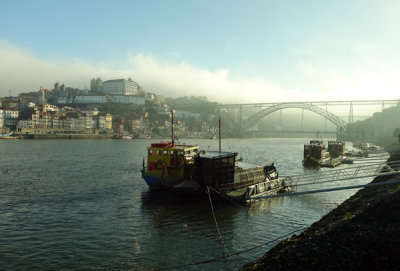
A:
[63, 110]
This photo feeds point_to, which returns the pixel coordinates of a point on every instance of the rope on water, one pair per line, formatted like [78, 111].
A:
[233, 254]
[225, 197]
[216, 224]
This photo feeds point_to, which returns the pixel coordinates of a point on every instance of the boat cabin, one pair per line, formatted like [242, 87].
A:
[166, 157]
[336, 148]
[315, 149]
[217, 168]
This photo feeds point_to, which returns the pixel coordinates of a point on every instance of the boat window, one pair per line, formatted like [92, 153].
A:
[165, 153]
[250, 175]
[158, 152]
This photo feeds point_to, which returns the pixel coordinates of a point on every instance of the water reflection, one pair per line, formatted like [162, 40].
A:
[264, 206]
[164, 208]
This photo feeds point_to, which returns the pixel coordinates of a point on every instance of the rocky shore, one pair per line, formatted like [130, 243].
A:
[363, 233]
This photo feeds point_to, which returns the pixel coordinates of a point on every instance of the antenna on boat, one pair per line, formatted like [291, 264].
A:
[219, 134]
[172, 126]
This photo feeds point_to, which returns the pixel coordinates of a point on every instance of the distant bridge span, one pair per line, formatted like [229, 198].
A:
[313, 106]
[252, 120]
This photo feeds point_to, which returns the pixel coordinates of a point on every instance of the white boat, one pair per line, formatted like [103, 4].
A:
[8, 136]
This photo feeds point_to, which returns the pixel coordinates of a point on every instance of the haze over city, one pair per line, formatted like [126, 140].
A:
[229, 51]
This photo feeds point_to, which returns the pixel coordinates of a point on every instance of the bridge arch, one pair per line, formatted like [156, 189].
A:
[252, 120]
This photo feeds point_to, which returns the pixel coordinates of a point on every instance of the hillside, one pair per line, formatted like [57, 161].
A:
[380, 128]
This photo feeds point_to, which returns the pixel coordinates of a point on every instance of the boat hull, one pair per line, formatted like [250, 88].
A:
[247, 194]
[152, 181]
[311, 162]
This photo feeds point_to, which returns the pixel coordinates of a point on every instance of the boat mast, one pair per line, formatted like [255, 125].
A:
[172, 126]
[219, 134]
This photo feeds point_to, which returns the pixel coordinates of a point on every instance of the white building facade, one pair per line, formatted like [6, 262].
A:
[128, 100]
[91, 99]
[120, 87]
[8, 118]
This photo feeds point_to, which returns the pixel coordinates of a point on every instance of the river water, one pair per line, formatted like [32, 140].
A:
[82, 205]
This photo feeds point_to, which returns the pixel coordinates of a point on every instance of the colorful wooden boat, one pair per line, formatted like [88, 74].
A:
[186, 169]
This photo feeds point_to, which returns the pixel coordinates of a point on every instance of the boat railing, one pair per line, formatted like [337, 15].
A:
[247, 177]
[251, 173]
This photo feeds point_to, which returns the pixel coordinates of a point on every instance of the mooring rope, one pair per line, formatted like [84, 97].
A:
[233, 254]
[225, 197]
[216, 224]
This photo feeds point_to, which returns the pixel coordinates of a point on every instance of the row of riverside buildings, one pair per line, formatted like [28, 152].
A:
[32, 120]
[84, 122]
[65, 110]
[52, 110]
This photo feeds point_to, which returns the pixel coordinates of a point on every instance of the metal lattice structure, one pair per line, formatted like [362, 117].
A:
[339, 176]
[348, 173]
[252, 120]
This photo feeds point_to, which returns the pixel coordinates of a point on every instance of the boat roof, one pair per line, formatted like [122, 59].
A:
[336, 143]
[170, 146]
[216, 154]
[246, 165]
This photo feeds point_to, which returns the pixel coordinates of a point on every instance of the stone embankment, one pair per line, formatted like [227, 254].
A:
[65, 136]
[363, 233]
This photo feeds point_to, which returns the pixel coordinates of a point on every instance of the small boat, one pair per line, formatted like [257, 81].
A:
[315, 153]
[360, 145]
[353, 153]
[347, 160]
[8, 136]
[186, 169]
[142, 136]
[118, 136]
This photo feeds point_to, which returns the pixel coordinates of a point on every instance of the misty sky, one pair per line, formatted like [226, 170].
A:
[230, 51]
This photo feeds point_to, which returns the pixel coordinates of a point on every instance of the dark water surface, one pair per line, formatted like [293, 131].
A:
[82, 205]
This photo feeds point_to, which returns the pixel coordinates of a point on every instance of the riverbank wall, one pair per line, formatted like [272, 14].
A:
[363, 233]
[65, 136]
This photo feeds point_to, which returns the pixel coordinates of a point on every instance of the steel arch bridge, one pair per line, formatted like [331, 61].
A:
[252, 120]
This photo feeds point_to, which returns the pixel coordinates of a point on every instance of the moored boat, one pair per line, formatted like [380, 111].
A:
[186, 169]
[119, 136]
[142, 136]
[314, 153]
[8, 136]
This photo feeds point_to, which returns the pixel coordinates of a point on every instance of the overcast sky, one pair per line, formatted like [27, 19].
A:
[230, 51]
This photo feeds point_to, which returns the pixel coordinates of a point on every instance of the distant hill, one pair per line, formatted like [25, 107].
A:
[382, 128]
